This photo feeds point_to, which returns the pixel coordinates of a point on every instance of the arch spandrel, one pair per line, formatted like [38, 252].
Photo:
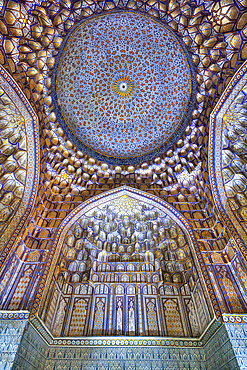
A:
[19, 154]
[113, 253]
[227, 156]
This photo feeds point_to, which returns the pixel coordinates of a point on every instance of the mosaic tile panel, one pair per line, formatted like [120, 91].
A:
[78, 319]
[172, 317]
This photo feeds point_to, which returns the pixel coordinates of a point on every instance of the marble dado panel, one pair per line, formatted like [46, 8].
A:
[23, 348]
[236, 326]
[219, 353]
[12, 326]
[33, 349]
[216, 355]
[33, 352]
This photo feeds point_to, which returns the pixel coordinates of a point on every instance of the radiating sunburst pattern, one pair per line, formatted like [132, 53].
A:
[123, 86]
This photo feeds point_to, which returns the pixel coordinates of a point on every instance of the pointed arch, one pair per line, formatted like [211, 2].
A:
[227, 157]
[139, 197]
[20, 158]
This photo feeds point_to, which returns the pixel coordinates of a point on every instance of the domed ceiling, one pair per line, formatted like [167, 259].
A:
[123, 87]
[37, 37]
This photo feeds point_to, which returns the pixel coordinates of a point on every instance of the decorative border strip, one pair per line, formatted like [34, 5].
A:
[175, 136]
[215, 153]
[14, 315]
[33, 164]
[112, 194]
[108, 341]
[234, 318]
[42, 330]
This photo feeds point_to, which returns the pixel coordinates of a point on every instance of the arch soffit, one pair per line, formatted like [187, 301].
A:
[19, 100]
[236, 84]
[152, 200]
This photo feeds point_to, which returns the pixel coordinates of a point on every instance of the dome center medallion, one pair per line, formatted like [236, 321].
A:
[123, 86]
